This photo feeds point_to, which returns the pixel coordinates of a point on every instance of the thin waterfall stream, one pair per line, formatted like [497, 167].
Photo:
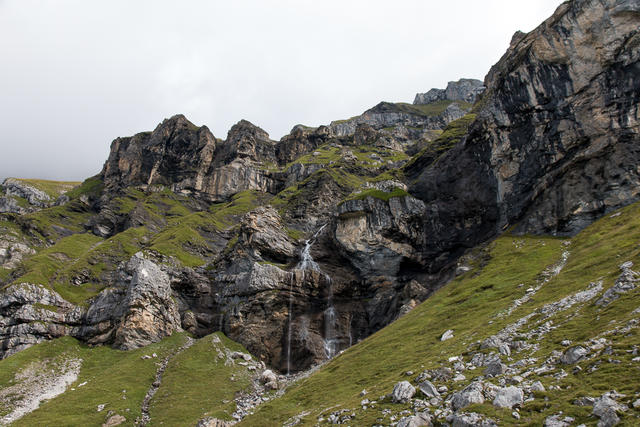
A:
[330, 316]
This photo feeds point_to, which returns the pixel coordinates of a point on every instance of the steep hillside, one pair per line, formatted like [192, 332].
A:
[175, 382]
[555, 318]
[479, 199]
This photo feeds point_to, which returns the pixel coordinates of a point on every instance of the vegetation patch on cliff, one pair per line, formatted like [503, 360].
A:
[451, 135]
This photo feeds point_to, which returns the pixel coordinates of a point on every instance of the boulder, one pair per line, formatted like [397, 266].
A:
[428, 389]
[402, 392]
[470, 419]
[495, 368]
[448, 334]
[607, 410]
[508, 397]
[468, 396]
[269, 379]
[419, 420]
[573, 355]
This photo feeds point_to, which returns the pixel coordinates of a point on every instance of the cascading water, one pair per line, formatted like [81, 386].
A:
[307, 261]
[330, 316]
[289, 328]
[330, 339]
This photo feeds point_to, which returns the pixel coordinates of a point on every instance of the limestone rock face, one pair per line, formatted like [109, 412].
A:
[189, 159]
[466, 90]
[553, 144]
[176, 153]
[556, 143]
[379, 235]
[299, 141]
[33, 199]
[262, 231]
[149, 313]
[245, 140]
[33, 195]
[12, 251]
[30, 313]
[387, 114]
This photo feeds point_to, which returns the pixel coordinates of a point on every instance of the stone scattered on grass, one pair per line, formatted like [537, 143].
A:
[402, 392]
[469, 395]
[508, 397]
[447, 335]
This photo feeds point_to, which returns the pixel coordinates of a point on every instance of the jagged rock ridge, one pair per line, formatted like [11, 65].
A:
[463, 90]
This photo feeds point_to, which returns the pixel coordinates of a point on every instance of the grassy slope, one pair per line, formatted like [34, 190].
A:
[198, 384]
[84, 254]
[52, 188]
[108, 374]
[470, 305]
[195, 384]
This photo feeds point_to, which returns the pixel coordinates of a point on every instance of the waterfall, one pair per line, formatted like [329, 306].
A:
[289, 328]
[330, 340]
[330, 315]
[307, 261]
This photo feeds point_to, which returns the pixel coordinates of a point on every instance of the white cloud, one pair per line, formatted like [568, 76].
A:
[76, 74]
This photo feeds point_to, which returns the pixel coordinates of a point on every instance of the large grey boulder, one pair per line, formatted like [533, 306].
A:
[495, 368]
[428, 389]
[468, 396]
[607, 410]
[402, 392]
[573, 355]
[148, 311]
[508, 397]
[419, 420]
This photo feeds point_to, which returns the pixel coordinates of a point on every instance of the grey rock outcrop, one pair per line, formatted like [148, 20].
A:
[137, 311]
[387, 114]
[508, 397]
[15, 187]
[362, 230]
[17, 196]
[149, 312]
[551, 116]
[466, 90]
[607, 410]
[419, 420]
[468, 396]
[30, 313]
[624, 283]
[13, 250]
[189, 159]
[573, 355]
[402, 392]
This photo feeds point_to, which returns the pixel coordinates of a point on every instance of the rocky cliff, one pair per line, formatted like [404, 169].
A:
[466, 90]
[301, 247]
[555, 141]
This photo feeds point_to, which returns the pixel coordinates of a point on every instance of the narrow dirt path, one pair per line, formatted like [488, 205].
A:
[146, 402]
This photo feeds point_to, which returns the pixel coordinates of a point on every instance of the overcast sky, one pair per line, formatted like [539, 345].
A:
[76, 74]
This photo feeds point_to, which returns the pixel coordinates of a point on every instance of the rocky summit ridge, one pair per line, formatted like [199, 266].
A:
[299, 249]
